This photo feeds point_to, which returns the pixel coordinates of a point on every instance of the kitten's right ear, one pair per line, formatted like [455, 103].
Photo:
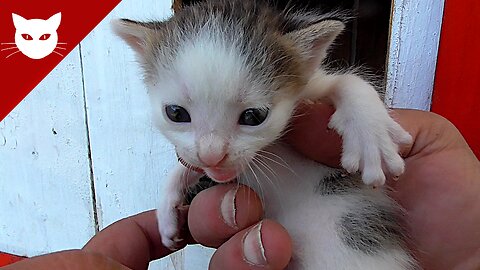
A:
[18, 20]
[134, 33]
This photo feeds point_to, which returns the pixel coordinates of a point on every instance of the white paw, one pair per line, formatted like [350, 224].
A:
[170, 224]
[370, 144]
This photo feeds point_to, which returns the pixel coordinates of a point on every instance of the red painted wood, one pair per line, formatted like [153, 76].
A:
[6, 259]
[457, 83]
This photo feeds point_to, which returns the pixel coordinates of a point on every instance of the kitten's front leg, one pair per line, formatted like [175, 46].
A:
[169, 220]
[370, 136]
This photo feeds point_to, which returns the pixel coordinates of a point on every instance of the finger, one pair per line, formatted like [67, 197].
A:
[133, 241]
[310, 128]
[219, 212]
[266, 245]
[67, 260]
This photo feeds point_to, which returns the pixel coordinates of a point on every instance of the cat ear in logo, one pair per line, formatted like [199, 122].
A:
[54, 21]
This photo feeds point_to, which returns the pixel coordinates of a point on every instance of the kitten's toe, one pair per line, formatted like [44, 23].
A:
[395, 164]
[398, 134]
[372, 172]
[373, 177]
[350, 163]
[169, 228]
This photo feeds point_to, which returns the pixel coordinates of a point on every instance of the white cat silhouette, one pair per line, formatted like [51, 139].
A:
[36, 38]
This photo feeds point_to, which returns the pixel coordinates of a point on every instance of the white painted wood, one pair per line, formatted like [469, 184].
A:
[45, 194]
[412, 60]
[130, 158]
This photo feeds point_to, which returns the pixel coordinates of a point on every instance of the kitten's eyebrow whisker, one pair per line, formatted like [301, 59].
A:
[8, 48]
[12, 54]
[58, 53]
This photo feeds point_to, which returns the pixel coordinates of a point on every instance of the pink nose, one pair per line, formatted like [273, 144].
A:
[213, 159]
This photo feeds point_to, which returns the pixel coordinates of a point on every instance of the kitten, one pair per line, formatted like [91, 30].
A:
[36, 38]
[224, 78]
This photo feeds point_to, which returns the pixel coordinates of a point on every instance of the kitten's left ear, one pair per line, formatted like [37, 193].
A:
[135, 33]
[315, 40]
[54, 21]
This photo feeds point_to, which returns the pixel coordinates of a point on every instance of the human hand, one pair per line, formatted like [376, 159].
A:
[440, 188]
[133, 242]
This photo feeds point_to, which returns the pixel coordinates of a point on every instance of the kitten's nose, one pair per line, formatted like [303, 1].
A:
[213, 159]
[212, 150]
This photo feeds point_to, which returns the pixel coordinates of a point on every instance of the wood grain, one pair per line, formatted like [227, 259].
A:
[46, 199]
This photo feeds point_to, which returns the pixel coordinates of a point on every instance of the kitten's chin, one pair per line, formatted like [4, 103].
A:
[221, 175]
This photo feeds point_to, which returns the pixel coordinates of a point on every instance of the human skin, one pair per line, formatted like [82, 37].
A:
[440, 191]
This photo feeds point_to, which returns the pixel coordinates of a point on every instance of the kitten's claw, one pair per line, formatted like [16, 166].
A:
[169, 224]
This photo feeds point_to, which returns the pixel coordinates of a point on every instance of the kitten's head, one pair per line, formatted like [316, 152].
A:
[36, 38]
[224, 80]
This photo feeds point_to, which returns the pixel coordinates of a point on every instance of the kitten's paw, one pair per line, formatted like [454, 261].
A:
[170, 223]
[371, 145]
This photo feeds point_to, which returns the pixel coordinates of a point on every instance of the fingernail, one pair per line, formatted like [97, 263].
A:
[228, 208]
[253, 250]
[396, 178]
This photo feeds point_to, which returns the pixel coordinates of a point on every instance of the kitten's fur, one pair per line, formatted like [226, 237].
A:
[219, 58]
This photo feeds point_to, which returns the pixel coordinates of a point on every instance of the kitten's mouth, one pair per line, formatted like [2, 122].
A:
[221, 175]
[217, 174]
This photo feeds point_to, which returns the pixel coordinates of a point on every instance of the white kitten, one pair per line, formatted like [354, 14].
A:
[224, 79]
[36, 38]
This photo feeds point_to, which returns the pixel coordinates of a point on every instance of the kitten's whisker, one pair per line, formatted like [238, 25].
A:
[264, 174]
[60, 48]
[12, 54]
[264, 164]
[284, 164]
[61, 43]
[262, 195]
[8, 43]
[58, 53]
[4, 49]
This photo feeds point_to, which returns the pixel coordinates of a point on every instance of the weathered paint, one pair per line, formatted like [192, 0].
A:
[46, 200]
[413, 53]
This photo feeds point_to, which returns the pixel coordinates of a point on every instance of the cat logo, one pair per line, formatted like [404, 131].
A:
[35, 38]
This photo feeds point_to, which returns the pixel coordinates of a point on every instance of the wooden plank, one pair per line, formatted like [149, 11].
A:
[413, 52]
[46, 201]
[130, 157]
[457, 83]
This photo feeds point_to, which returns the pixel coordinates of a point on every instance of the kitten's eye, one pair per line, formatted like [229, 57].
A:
[44, 36]
[177, 114]
[253, 117]
[27, 37]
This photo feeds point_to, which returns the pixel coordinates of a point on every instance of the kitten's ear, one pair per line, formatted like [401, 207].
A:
[134, 33]
[315, 40]
[54, 21]
[18, 20]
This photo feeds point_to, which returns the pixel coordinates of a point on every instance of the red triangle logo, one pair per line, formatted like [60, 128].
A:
[35, 36]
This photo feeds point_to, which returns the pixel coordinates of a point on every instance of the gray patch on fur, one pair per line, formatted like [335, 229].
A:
[372, 225]
[338, 183]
